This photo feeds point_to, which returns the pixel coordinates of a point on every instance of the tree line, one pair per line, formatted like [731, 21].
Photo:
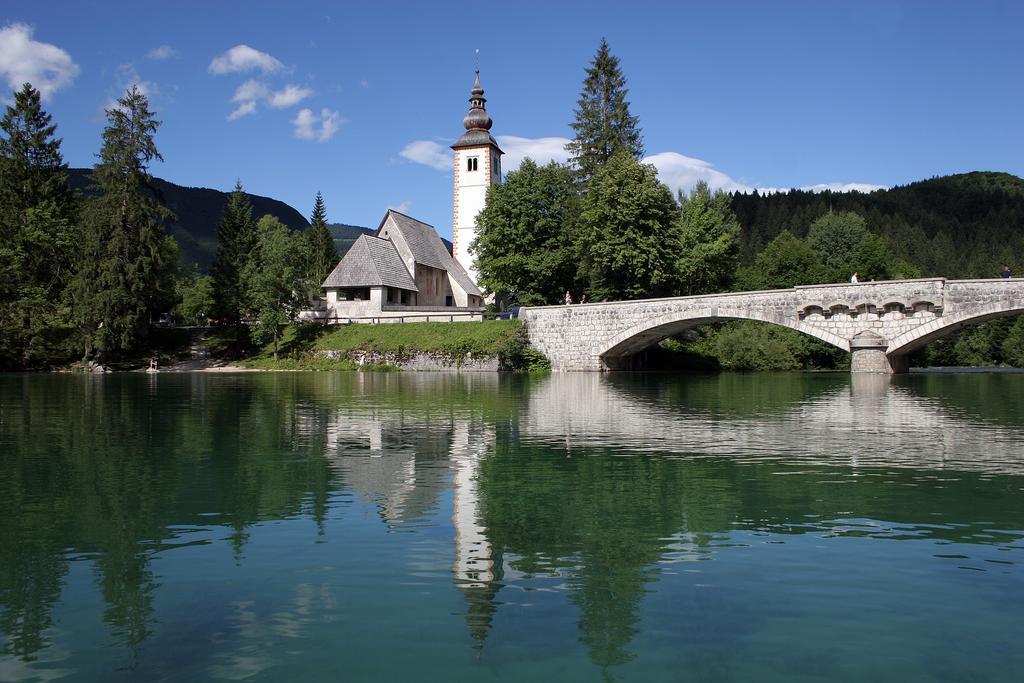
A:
[87, 276]
[603, 227]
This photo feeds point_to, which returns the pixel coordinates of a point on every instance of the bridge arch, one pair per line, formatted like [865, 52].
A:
[648, 332]
[947, 324]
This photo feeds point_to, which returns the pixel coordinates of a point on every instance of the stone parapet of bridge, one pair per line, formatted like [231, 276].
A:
[879, 322]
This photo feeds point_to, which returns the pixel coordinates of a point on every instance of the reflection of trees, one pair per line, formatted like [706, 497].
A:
[106, 480]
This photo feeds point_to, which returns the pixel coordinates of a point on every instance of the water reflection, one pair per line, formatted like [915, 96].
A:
[553, 508]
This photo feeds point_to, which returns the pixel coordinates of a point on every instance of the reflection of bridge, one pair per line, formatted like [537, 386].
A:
[879, 322]
[868, 423]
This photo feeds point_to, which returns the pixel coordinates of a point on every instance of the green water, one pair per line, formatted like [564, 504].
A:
[378, 527]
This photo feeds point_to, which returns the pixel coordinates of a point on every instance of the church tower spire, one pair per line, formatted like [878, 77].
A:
[477, 167]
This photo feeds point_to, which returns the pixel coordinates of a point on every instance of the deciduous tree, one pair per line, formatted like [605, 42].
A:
[710, 248]
[629, 234]
[271, 278]
[524, 249]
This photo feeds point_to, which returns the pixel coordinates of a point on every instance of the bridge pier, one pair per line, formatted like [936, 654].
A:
[869, 355]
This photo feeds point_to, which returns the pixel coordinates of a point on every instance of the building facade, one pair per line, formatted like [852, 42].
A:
[477, 167]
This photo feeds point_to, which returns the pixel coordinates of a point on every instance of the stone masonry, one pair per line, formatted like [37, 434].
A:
[879, 322]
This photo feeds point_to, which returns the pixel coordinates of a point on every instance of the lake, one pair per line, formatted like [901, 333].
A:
[577, 527]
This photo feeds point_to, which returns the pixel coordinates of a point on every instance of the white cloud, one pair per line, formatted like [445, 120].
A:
[428, 153]
[244, 58]
[288, 97]
[676, 170]
[363, 83]
[541, 150]
[162, 52]
[24, 60]
[681, 172]
[250, 90]
[127, 77]
[404, 207]
[243, 109]
[844, 187]
[306, 122]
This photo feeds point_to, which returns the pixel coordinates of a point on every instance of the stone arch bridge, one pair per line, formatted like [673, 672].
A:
[879, 322]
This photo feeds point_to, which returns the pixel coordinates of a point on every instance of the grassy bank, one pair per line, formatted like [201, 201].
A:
[302, 347]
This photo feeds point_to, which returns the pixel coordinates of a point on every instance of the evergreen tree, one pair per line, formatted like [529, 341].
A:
[36, 229]
[271, 280]
[603, 125]
[524, 248]
[236, 236]
[321, 253]
[628, 238]
[710, 246]
[128, 261]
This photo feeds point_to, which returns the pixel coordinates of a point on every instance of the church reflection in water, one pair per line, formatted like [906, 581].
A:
[405, 461]
[578, 493]
[541, 487]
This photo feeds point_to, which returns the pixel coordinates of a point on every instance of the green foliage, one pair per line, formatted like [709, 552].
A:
[786, 262]
[524, 249]
[457, 340]
[271, 280]
[1012, 346]
[196, 294]
[37, 215]
[236, 237]
[603, 125]
[320, 252]
[754, 346]
[959, 226]
[629, 235]
[127, 262]
[835, 238]
[710, 249]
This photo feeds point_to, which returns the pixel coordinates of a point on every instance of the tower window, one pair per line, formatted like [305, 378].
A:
[471, 163]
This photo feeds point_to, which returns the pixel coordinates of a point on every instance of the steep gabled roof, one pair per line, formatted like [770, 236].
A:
[428, 249]
[371, 262]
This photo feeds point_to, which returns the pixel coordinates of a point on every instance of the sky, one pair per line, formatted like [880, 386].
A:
[360, 100]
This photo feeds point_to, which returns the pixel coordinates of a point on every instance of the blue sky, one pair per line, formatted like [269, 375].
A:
[361, 100]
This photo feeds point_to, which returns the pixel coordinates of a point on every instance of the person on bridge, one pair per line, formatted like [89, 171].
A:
[853, 278]
[568, 297]
[1006, 272]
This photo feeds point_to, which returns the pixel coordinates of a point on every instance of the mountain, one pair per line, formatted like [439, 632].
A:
[344, 235]
[197, 211]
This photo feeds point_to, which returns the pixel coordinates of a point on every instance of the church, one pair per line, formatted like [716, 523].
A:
[404, 270]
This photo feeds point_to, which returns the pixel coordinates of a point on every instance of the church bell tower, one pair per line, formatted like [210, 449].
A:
[477, 167]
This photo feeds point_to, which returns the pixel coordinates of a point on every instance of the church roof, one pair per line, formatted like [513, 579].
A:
[428, 249]
[476, 138]
[371, 262]
[477, 121]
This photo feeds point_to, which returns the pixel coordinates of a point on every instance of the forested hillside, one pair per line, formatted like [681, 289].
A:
[197, 211]
[959, 226]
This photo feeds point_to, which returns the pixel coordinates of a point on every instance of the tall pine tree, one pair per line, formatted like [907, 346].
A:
[603, 125]
[236, 237]
[36, 225]
[127, 260]
[321, 253]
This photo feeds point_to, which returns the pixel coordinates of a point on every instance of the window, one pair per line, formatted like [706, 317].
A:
[471, 163]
